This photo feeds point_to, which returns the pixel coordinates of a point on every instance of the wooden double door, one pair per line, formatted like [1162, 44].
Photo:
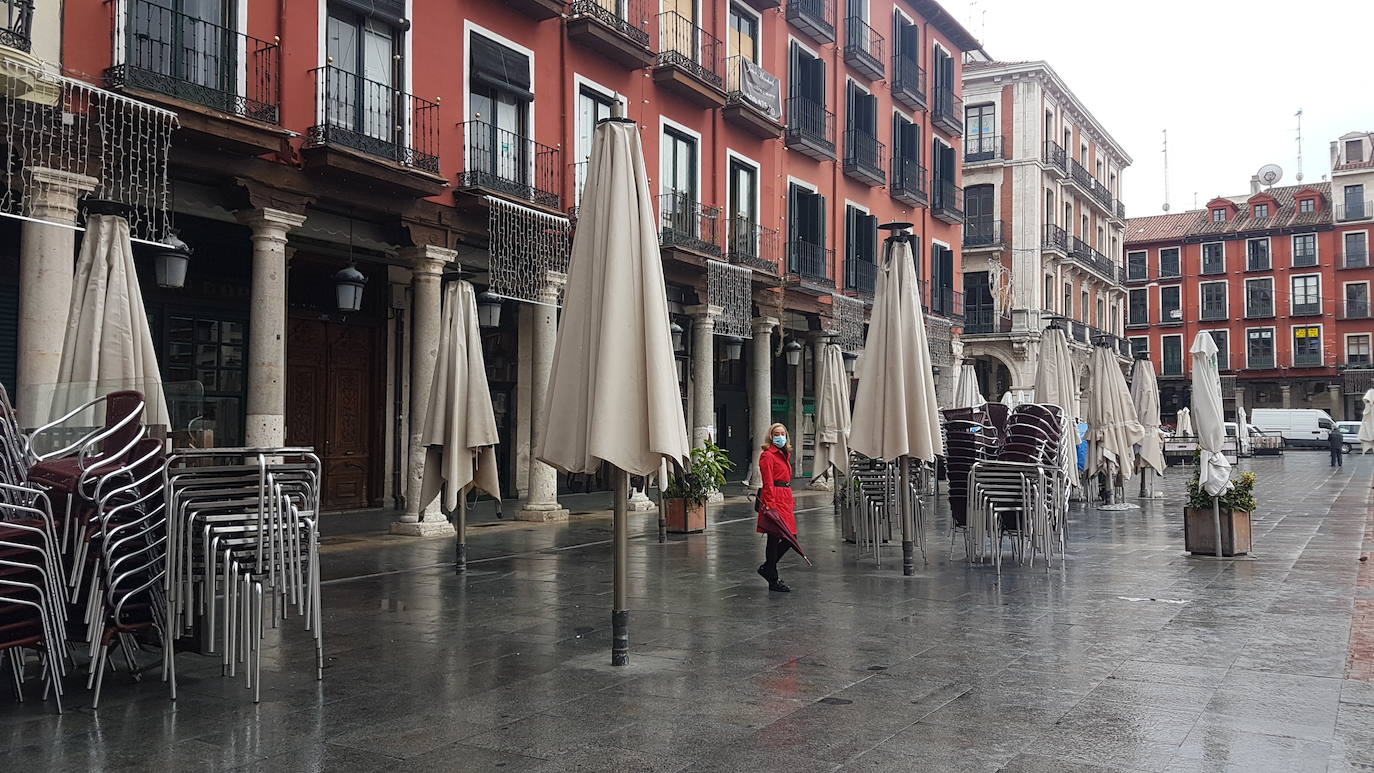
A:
[333, 403]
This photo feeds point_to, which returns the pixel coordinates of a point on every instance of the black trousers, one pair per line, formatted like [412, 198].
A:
[773, 551]
[1336, 460]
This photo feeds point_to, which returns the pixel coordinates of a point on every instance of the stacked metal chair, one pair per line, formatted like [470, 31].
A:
[971, 436]
[871, 509]
[243, 534]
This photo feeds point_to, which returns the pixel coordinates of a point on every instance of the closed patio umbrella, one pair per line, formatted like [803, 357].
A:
[108, 345]
[895, 412]
[1056, 378]
[1145, 396]
[613, 391]
[460, 426]
[1184, 422]
[1367, 423]
[966, 394]
[832, 416]
[1214, 470]
[1113, 429]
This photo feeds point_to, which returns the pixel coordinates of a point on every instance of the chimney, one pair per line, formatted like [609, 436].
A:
[1255, 184]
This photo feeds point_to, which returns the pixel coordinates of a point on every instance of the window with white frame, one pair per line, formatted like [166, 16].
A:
[1356, 301]
[1218, 215]
[1307, 346]
[1136, 265]
[1171, 355]
[1257, 255]
[1169, 265]
[1306, 295]
[1261, 212]
[1213, 300]
[1170, 305]
[1304, 249]
[1357, 349]
[1214, 258]
[1139, 344]
[1259, 347]
[1259, 297]
[1138, 306]
[1356, 253]
[1307, 205]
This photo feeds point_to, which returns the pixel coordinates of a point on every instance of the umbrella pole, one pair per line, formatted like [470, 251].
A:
[662, 515]
[460, 528]
[908, 528]
[1216, 521]
[620, 616]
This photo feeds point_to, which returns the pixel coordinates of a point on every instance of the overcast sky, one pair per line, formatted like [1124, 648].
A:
[1224, 78]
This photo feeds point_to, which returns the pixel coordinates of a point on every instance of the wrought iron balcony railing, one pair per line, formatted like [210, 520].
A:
[1354, 258]
[1304, 256]
[1056, 238]
[809, 123]
[1358, 210]
[946, 302]
[809, 262]
[623, 16]
[863, 156]
[375, 118]
[183, 57]
[505, 162]
[981, 320]
[948, 111]
[752, 245]
[981, 148]
[1355, 309]
[908, 81]
[1254, 361]
[1120, 209]
[1055, 156]
[1306, 308]
[17, 32]
[860, 275]
[947, 198]
[815, 17]
[1213, 311]
[981, 233]
[1307, 359]
[863, 47]
[687, 223]
[736, 91]
[683, 44]
[908, 182]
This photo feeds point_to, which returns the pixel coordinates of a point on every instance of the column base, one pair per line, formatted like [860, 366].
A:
[715, 496]
[431, 528]
[544, 516]
[644, 505]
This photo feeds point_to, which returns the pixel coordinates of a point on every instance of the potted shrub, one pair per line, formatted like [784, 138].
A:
[1236, 505]
[684, 500]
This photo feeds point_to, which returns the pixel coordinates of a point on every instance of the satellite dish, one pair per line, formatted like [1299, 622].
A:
[1166, 206]
[1270, 174]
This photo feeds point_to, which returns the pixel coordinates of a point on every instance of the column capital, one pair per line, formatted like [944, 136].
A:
[763, 325]
[53, 193]
[704, 312]
[428, 259]
[551, 285]
[269, 223]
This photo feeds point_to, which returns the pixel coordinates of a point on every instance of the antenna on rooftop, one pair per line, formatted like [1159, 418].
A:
[1298, 115]
[1166, 170]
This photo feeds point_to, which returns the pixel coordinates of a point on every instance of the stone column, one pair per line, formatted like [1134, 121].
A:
[266, 425]
[541, 503]
[427, 266]
[760, 390]
[703, 373]
[1287, 395]
[47, 265]
[1334, 396]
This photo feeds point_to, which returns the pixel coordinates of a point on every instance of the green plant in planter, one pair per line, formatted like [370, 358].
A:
[1240, 499]
[705, 473]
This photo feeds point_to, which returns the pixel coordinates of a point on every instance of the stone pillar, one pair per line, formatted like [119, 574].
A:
[1337, 401]
[266, 425]
[427, 267]
[1287, 392]
[541, 502]
[760, 390]
[47, 265]
[703, 373]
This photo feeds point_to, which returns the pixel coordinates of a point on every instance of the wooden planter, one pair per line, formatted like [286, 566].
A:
[684, 517]
[1200, 532]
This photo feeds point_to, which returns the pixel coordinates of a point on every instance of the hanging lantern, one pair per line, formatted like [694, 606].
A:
[676, 330]
[348, 288]
[851, 361]
[793, 351]
[734, 348]
[170, 262]
[489, 310]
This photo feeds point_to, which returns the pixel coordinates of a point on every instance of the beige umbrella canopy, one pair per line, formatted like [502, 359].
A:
[1367, 423]
[1214, 469]
[613, 391]
[966, 394]
[1113, 429]
[1056, 378]
[832, 415]
[108, 345]
[1145, 396]
[1184, 425]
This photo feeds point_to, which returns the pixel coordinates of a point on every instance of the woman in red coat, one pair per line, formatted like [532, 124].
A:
[775, 476]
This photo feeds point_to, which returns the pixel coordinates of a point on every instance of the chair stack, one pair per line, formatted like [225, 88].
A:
[244, 534]
[971, 435]
[871, 505]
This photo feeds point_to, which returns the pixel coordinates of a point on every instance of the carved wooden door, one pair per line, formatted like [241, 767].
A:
[329, 394]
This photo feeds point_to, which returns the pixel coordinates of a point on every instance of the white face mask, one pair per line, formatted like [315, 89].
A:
[780, 440]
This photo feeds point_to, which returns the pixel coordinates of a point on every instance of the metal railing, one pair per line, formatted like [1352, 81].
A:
[863, 46]
[815, 16]
[1307, 359]
[947, 197]
[683, 44]
[864, 153]
[908, 81]
[1256, 361]
[1213, 311]
[948, 110]
[687, 223]
[860, 275]
[985, 319]
[1120, 209]
[1055, 238]
[979, 148]
[508, 163]
[626, 17]
[809, 261]
[375, 118]
[1085, 253]
[1055, 156]
[578, 175]
[945, 301]
[1306, 308]
[17, 32]
[809, 121]
[1258, 261]
[752, 245]
[908, 181]
[1090, 184]
[1255, 309]
[734, 88]
[1137, 271]
[1303, 258]
[183, 57]
[1357, 211]
[984, 233]
[1357, 258]
[1356, 309]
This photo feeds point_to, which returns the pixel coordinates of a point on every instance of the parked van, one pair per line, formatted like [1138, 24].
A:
[1350, 432]
[1237, 443]
[1299, 427]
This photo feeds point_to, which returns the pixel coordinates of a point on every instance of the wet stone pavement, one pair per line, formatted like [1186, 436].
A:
[1132, 656]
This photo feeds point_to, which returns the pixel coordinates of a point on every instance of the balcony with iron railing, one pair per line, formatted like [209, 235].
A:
[753, 246]
[1357, 257]
[1213, 311]
[180, 56]
[984, 234]
[947, 201]
[690, 61]
[948, 111]
[1086, 255]
[1302, 359]
[1305, 306]
[810, 128]
[983, 149]
[809, 263]
[688, 224]
[752, 99]
[863, 48]
[1055, 239]
[908, 182]
[908, 81]
[1357, 210]
[1355, 309]
[860, 275]
[508, 164]
[1054, 156]
[942, 301]
[1095, 191]
[615, 29]
[984, 320]
[17, 18]
[863, 156]
[1305, 257]
[375, 119]
[814, 17]
[1120, 207]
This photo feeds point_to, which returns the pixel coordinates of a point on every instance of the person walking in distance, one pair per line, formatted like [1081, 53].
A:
[775, 492]
[1335, 442]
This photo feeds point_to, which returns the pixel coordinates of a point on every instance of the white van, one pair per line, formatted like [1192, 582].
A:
[1237, 443]
[1299, 427]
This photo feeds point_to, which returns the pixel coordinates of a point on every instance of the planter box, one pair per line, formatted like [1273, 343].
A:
[684, 518]
[1200, 533]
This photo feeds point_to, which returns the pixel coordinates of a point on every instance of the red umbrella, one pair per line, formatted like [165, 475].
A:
[771, 522]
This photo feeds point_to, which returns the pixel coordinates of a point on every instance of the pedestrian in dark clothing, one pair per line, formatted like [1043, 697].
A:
[1335, 442]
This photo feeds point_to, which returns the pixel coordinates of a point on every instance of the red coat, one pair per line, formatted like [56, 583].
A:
[775, 466]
